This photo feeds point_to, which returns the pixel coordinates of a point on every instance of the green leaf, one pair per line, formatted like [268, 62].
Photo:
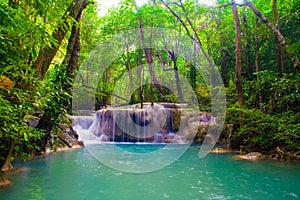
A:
[25, 137]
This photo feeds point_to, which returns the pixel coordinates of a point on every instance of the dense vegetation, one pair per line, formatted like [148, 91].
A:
[253, 45]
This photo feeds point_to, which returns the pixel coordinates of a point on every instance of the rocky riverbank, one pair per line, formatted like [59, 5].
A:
[62, 137]
[4, 181]
[277, 154]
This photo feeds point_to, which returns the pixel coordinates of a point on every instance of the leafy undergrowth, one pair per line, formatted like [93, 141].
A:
[264, 132]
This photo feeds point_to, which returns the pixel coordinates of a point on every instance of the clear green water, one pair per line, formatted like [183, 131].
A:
[78, 175]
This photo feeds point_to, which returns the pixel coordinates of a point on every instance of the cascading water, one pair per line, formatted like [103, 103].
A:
[162, 123]
[138, 121]
[114, 129]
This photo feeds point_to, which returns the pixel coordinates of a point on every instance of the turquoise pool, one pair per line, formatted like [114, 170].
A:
[78, 175]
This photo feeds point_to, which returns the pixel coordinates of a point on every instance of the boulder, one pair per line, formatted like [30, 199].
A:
[194, 119]
[179, 140]
[66, 136]
[184, 121]
[193, 130]
[253, 156]
[158, 138]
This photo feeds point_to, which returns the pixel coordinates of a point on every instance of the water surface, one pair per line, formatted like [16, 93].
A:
[78, 175]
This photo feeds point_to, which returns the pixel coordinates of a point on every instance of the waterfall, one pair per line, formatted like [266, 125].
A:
[114, 127]
[162, 123]
[138, 123]
[169, 120]
[145, 127]
[95, 128]
[83, 122]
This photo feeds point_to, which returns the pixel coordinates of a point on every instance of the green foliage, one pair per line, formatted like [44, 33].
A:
[203, 96]
[275, 125]
[25, 28]
[55, 96]
[278, 123]
[264, 132]
[279, 94]
[14, 105]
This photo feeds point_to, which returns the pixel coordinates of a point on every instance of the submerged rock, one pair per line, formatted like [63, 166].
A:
[219, 150]
[253, 156]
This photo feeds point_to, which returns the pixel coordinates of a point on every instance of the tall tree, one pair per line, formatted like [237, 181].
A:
[238, 60]
[280, 50]
[51, 114]
[149, 58]
[260, 99]
[248, 47]
[47, 54]
[71, 59]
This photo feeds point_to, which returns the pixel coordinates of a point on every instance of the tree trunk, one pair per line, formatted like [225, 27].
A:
[280, 50]
[149, 58]
[71, 59]
[140, 71]
[260, 99]
[281, 40]
[47, 54]
[238, 60]
[248, 48]
[178, 87]
[47, 122]
[128, 68]
[224, 61]
[248, 55]
[173, 56]
[7, 164]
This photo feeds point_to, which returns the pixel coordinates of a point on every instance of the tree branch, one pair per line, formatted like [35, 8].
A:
[277, 33]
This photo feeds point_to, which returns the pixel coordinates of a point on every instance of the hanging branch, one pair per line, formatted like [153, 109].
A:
[194, 36]
[186, 28]
[277, 33]
[173, 57]
[83, 84]
[178, 18]
[148, 54]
